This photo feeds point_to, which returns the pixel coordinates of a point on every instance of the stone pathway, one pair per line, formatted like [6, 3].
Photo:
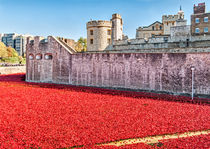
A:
[155, 139]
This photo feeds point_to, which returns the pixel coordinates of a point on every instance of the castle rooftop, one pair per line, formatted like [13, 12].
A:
[99, 23]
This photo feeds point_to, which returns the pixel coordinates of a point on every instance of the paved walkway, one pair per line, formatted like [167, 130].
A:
[155, 139]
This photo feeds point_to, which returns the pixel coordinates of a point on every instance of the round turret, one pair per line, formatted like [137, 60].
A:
[117, 27]
[98, 35]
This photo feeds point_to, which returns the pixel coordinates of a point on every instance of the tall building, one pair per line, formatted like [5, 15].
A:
[200, 23]
[9, 39]
[1, 36]
[18, 42]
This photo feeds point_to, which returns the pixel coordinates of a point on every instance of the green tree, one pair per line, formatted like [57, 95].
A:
[12, 52]
[9, 54]
[81, 45]
[3, 50]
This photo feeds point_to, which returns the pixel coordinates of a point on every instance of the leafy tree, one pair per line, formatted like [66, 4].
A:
[3, 50]
[20, 59]
[12, 52]
[81, 44]
[9, 54]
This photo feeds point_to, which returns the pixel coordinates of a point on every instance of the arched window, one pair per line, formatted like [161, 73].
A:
[31, 56]
[48, 56]
[38, 56]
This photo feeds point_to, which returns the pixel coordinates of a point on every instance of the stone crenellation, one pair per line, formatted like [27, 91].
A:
[200, 8]
[99, 23]
[170, 17]
[171, 42]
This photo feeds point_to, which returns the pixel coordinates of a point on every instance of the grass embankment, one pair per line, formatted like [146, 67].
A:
[13, 60]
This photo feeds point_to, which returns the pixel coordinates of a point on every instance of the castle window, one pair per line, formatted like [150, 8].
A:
[38, 56]
[206, 30]
[187, 42]
[109, 41]
[165, 39]
[156, 45]
[109, 32]
[48, 56]
[160, 27]
[91, 41]
[197, 30]
[197, 20]
[91, 32]
[206, 19]
[31, 56]
[153, 28]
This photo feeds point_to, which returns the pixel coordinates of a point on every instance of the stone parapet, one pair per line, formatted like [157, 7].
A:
[99, 23]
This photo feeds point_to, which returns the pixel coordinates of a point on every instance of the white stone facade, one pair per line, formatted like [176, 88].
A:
[172, 21]
[101, 34]
[117, 27]
[98, 35]
[183, 30]
[149, 31]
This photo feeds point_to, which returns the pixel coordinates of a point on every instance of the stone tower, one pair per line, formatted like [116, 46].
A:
[172, 21]
[181, 13]
[201, 8]
[98, 35]
[117, 27]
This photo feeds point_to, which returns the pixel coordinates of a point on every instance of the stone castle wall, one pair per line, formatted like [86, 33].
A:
[183, 30]
[160, 72]
[170, 72]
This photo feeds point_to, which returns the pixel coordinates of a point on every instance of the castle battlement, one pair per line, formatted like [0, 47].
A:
[99, 23]
[116, 16]
[170, 17]
[200, 8]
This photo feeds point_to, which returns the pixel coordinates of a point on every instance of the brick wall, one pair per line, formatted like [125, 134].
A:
[201, 25]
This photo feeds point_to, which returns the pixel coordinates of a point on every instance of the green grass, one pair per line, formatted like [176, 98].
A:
[12, 60]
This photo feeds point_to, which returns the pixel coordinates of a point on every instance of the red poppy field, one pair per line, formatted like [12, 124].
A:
[61, 116]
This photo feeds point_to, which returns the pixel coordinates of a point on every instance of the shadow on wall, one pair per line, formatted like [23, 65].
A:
[19, 79]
